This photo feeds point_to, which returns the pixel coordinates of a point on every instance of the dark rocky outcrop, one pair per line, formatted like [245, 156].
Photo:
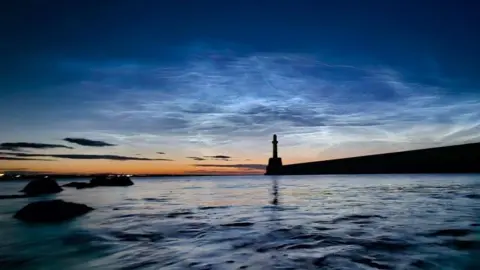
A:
[103, 181]
[41, 186]
[73, 184]
[51, 211]
[111, 181]
[78, 185]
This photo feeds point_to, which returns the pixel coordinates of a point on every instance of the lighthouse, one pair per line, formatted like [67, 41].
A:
[274, 163]
[275, 143]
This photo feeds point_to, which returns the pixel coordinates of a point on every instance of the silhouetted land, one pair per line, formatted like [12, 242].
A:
[449, 159]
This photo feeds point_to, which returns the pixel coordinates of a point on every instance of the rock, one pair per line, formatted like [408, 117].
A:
[51, 211]
[105, 181]
[41, 186]
[79, 185]
[111, 181]
[85, 185]
[73, 184]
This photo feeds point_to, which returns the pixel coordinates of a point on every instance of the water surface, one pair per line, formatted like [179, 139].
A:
[256, 222]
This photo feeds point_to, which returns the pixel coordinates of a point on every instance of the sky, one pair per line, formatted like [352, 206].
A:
[201, 86]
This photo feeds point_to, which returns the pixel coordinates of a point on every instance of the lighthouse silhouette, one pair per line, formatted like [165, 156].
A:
[274, 163]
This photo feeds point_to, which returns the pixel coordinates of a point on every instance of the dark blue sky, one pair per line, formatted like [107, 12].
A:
[400, 33]
[221, 76]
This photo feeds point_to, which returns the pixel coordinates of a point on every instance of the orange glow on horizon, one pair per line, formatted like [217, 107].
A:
[118, 167]
[179, 166]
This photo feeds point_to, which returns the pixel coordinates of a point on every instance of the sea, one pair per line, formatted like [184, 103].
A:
[255, 222]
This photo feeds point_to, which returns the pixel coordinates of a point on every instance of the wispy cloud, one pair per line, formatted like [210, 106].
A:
[233, 103]
[87, 142]
[304, 100]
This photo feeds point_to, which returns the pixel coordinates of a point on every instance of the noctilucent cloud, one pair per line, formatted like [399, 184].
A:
[201, 86]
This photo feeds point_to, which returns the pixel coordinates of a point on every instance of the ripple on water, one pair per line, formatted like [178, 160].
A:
[464, 244]
[195, 230]
[213, 207]
[80, 238]
[331, 257]
[473, 196]
[310, 245]
[423, 264]
[237, 224]
[135, 237]
[156, 199]
[179, 213]
[356, 218]
[139, 265]
[382, 244]
[7, 262]
[132, 218]
[451, 232]
[371, 262]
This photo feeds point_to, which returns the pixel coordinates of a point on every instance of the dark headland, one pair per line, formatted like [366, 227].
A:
[463, 158]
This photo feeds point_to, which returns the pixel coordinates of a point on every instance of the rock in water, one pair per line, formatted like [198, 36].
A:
[51, 211]
[105, 181]
[111, 181]
[73, 184]
[78, 185]
[41, 186]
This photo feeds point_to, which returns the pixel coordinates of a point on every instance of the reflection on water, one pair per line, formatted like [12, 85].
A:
[275, 190]
[256, 222]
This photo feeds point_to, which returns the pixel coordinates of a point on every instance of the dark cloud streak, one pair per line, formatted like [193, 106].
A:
[19, 158]
[219, 157]
[197, 158]
[237, 166]
[85, 156]
[20, 145]
[109, 157]
[87, 142]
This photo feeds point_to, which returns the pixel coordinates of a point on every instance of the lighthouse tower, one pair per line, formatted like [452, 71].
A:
[274, 163]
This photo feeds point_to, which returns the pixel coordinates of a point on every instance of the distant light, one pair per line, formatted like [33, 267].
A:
[17, 176]
[129, 175]
[2, 174]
